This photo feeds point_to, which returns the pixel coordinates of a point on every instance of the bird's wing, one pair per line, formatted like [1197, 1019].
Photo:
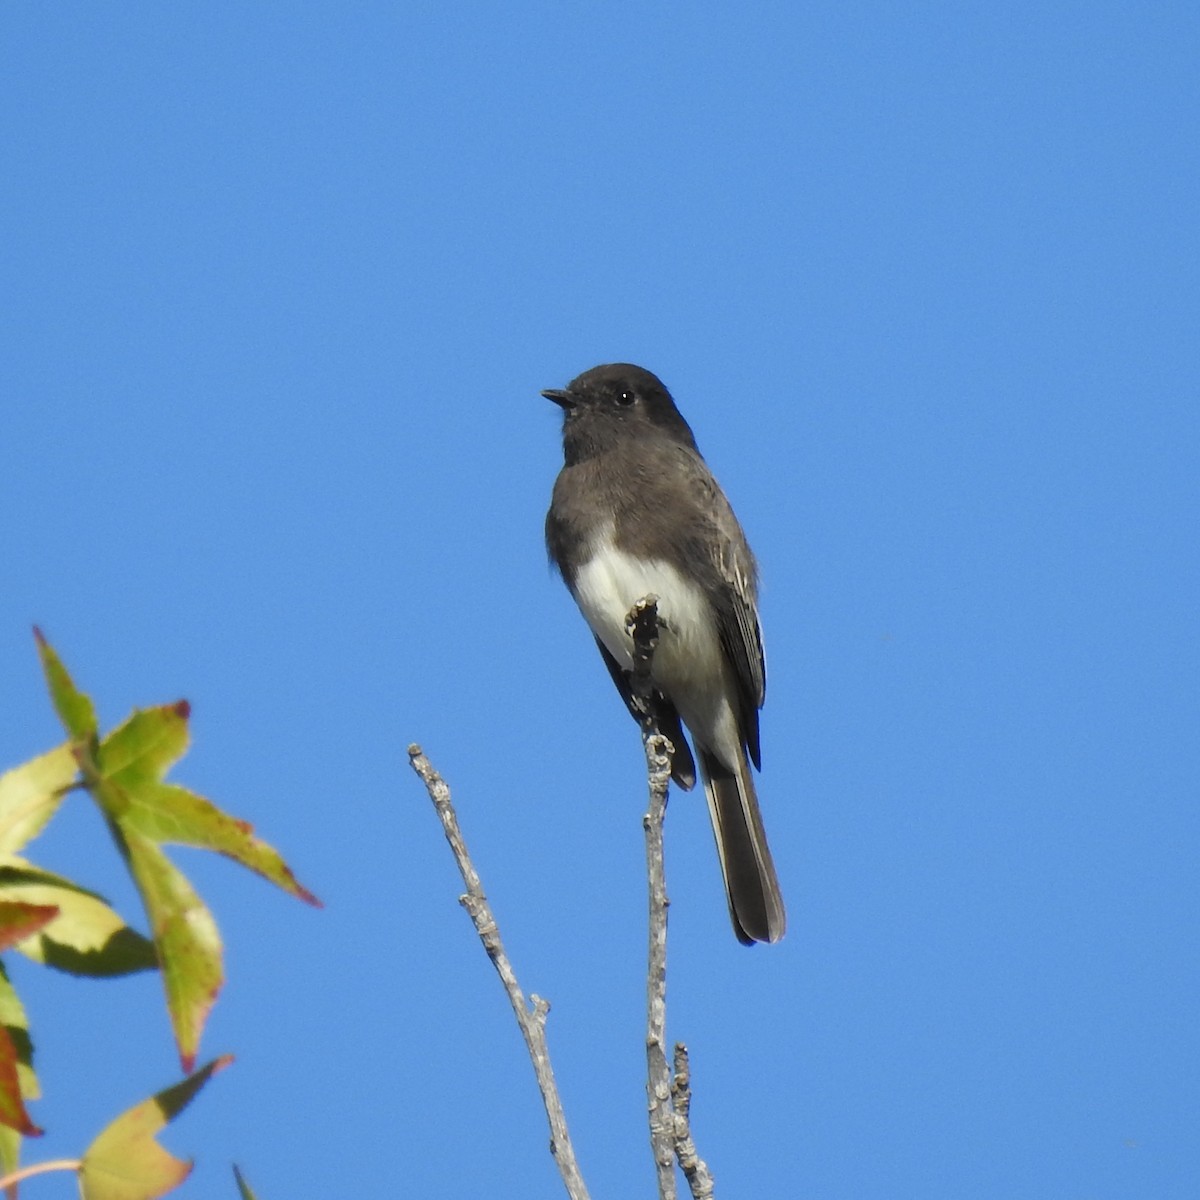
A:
[736, 606]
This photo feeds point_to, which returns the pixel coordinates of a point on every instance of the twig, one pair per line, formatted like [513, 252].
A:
[669, 1097]
[694, 1168]
[658, 1079]
[642, 624]
[531, 1015]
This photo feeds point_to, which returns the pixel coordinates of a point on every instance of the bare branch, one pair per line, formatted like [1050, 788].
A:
[642, 624]
[658, 1080]
[669, 1096]
[531, 1016]
[668, 1090]
[694, 1168]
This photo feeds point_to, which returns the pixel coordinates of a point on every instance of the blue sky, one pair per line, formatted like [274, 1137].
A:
[281, 286]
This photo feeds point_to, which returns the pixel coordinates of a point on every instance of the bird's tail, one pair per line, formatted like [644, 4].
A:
[755, 903]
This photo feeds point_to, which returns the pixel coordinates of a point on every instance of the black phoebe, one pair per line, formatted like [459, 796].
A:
[637, 512]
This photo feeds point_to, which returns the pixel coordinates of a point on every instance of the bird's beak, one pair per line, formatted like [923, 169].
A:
[560, 397]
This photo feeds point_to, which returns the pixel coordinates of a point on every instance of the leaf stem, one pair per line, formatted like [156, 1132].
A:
[58, 1164]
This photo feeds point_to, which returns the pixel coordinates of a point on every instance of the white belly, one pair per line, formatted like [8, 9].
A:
[689, 664]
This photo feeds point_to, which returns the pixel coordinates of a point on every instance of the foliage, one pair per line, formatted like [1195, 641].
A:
[65, 925]
[125, 1162]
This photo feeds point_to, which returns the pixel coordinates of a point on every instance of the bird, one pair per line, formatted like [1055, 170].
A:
[636, 512]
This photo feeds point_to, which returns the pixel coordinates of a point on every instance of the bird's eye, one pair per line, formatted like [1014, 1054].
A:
[625, 399]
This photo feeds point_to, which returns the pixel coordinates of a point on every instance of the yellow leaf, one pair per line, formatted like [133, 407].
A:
[125, 1162]
[30, 795]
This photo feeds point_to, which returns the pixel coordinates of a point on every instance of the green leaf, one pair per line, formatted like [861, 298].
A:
[144, 747]
[86, 937]
[143, 812]
[75, 709]
[10, 1156]
[169, 813]
[31, 793]
[185, 935]
[125, 775]
[135, 757]
[243, 1187]
[125, 1162]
